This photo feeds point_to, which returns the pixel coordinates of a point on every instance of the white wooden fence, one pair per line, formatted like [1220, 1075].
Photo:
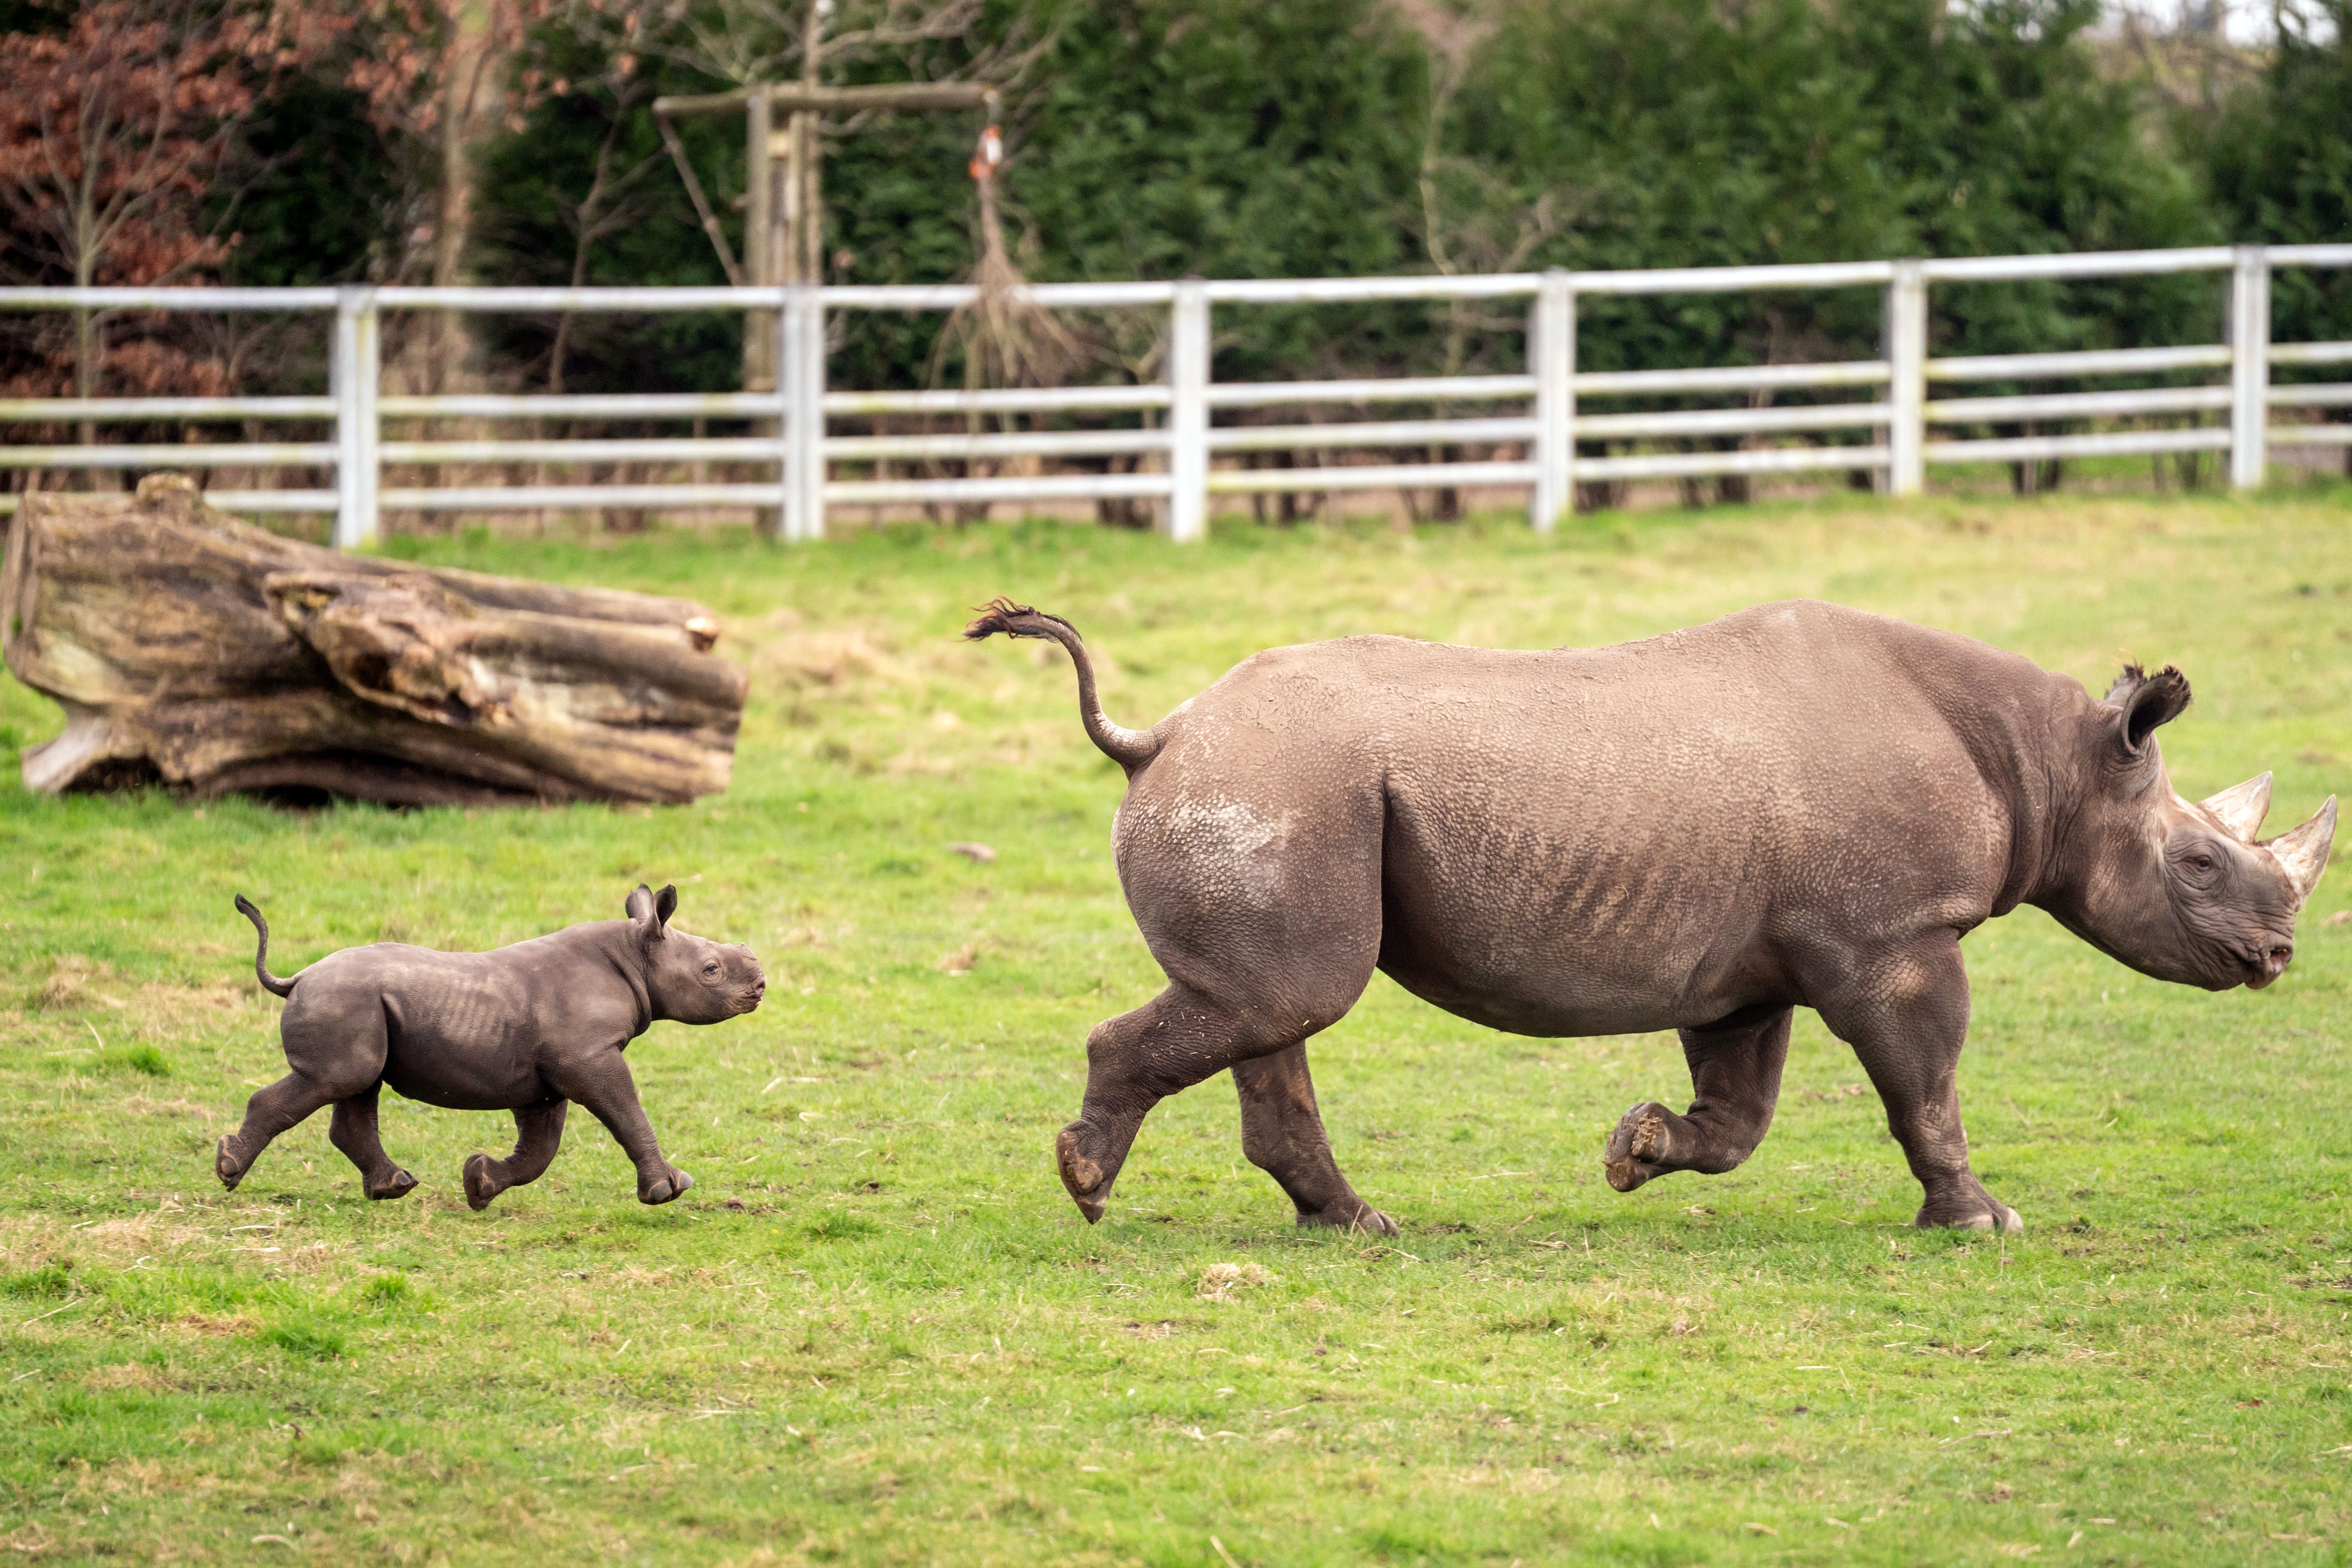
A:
[1888, 424]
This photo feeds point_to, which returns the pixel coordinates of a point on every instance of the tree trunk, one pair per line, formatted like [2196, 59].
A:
[194, 651]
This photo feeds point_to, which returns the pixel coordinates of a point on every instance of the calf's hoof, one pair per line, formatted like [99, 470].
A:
[482, 1184]
[1637, 1147]
[1360, 1217]
[661, 1189]
[398, 1186]
[1084, 1178]
[225, 1164]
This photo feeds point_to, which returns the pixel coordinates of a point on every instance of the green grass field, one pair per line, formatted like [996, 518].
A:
[876, 1331]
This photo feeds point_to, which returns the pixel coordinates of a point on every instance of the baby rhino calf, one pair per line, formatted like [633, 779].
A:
[527, 1028]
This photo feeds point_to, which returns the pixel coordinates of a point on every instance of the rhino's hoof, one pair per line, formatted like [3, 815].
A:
[1361, 1217]
[664, 1188]
[481, 1187]
[401, 1184]
[2001, 1218]
[1636, 1146]
[225, 1165]
[1081, 1176]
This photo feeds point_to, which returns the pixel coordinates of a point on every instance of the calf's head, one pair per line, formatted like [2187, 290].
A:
[2180, 891]
[689, 979]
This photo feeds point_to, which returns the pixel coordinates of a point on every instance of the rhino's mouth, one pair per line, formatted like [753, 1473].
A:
[2267, 966]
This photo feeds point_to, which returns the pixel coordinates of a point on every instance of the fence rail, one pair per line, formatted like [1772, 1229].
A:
[1890, 427]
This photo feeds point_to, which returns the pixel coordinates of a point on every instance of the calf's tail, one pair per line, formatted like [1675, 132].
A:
[1130, 749]
[269, 982]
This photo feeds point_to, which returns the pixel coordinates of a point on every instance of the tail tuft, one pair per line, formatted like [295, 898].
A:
[1002, 616]
[1130, 749]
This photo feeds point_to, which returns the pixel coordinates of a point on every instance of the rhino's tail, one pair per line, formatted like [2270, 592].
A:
[269, 982]
[1130, 749]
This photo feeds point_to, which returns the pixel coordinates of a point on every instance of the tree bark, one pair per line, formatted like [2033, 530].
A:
[197, 652]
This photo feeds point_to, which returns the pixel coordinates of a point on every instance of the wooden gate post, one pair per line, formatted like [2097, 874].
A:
[356, 373]
[2250, 365]
[800, 379]
[1188, 412]
[1551, 359]
[1906, 392]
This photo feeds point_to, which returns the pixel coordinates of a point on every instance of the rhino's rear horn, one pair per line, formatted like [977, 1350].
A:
[2241, 807]
[2303, 852]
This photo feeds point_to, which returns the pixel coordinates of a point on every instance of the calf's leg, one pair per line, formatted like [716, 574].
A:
[601, 1084]
[335, 1045]
[1735, 1068]
[538, 1132]
[1906, 1016]
[353, 1130]
[1282, 1133]
[284, 1104]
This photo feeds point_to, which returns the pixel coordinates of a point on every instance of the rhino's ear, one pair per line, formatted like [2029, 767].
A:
[2240, 808]
[2303, 852]
[665, 906]
[639, 906]
[2142, 702]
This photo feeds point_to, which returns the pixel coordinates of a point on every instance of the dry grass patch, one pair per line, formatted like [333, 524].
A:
[129, 1375]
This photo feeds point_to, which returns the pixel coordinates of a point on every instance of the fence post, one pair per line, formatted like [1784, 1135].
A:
[1551, 359]
[2250, 365]
[1188, 412]
[800, 381]
[354, 375]
[1906, 391]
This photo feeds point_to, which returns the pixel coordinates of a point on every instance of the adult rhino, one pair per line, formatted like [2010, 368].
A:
[1797, 806]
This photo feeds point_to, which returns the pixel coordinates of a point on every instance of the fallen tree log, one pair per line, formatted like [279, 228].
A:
[195, 651]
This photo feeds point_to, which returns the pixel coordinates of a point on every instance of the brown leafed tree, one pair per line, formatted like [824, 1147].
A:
[112, 136]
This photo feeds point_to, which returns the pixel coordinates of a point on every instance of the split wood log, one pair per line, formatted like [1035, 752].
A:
[198, 652]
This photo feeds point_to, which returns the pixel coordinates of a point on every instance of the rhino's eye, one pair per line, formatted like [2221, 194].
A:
[711, 967]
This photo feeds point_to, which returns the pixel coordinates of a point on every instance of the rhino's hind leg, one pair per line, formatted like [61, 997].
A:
[270, 1111]
[1906, 1017]
[538, 1132]
[1282, 1133]
[355, 1132]
[1176, 1039]
[1734, 1067]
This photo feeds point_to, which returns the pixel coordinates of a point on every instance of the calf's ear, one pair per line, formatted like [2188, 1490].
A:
[2142, 702]
[665, 906]
[640, 904]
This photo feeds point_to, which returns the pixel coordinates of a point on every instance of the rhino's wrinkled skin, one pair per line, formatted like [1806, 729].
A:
[1797, 806]
[527, 1028]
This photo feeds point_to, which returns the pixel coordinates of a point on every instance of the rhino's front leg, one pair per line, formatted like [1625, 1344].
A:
[1735, 1068]
[603, 1084]
[1906, 1016]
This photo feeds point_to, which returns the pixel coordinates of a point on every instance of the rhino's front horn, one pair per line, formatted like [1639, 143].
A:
[2241, 807]
[2302, 854]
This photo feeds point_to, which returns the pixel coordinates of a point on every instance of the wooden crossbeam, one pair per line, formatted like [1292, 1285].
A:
[911, 97]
